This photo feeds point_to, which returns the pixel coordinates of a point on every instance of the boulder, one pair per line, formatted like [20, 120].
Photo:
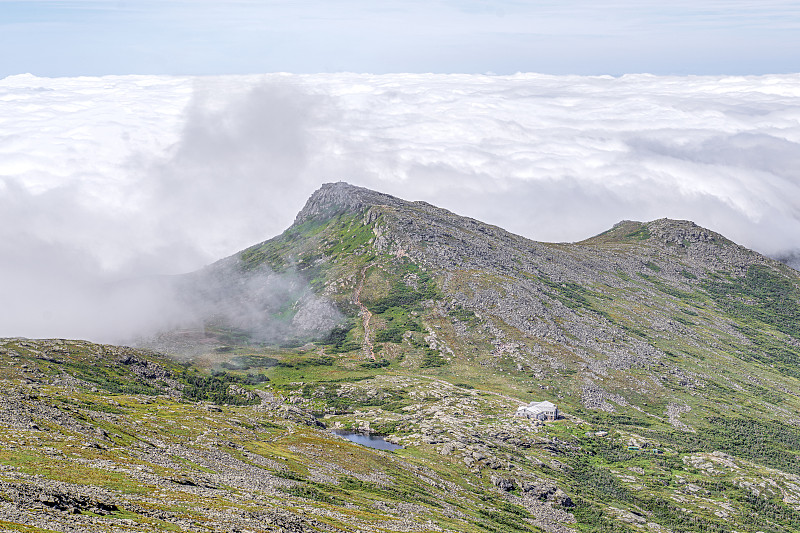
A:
[506, 484]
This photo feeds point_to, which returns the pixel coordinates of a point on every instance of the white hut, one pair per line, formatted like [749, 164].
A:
[539, 411]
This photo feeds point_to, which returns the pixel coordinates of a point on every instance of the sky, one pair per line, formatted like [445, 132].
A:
[211, 37]
[141, 139]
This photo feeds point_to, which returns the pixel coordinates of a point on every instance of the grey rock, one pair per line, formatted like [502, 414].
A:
[506, 484]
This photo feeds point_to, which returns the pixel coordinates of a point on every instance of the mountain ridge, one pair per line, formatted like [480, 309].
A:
[563, 293]
[336, 197]
[678, 253]
[672, 352]
[333, 199]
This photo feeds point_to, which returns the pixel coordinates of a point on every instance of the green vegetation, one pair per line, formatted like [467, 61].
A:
[508, 517]
[113, 378]
[757, 511]
[652, 266]
[381, 363]
[311, 493]
[398, 323]
[768, 442]
[400, 308]
[576, 297]
[346, 234]
[432, 359]
[767, 349]
[403, 296]
[641, 234]
[668, 289]
[762, 295]
[340, 339]
[570, 294]
[407, 492]
[464, 315]
[594, 519]
[216, 387]
[592, 479]
[761, 303]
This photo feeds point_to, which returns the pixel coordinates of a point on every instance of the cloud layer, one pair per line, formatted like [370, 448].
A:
[118, 177]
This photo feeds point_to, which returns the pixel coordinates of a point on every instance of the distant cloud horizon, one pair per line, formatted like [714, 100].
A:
[205, 37]
[119, 177]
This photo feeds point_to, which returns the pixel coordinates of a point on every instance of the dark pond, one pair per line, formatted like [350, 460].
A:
[371, 441]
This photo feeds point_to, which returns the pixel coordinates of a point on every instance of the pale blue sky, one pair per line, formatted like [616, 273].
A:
[96, 37]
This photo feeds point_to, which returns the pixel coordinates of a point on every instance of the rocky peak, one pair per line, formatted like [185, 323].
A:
[664, 230]
[682, 232]
[335, 198]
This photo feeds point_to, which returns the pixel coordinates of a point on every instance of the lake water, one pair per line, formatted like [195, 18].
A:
[370, 441]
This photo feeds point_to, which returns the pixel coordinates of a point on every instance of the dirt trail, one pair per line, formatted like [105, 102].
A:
[368, 349]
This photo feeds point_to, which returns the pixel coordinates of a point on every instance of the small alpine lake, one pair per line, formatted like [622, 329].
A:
[370, 441]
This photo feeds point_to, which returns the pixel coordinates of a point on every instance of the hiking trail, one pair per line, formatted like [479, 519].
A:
[368, 348]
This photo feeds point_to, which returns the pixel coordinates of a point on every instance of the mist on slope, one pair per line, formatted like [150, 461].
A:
[118, 178]
[99, 257]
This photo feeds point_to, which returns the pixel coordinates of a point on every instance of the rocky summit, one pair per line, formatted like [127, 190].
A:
[670, 352]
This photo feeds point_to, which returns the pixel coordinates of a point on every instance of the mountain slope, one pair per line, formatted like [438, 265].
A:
[672, 351]
[143, 444]
[646, 311]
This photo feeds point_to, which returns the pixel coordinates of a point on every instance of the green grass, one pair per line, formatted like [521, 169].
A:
[34, 464]
[652, 266]
[109, 376]
[311, 493]
[591, 480]
[762, 303]
[340, 339]
[432, 359]
[762, 295]
[215, 388]
[767, 442]
[22, 528]
[347, 233]
[641, 234]
[405, 297]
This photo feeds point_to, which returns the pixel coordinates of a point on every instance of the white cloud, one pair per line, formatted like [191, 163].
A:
[103, 178]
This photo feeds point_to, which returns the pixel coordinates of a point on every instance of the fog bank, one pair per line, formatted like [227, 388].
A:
[115, 178]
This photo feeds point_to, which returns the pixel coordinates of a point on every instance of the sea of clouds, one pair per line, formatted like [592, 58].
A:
[115, 178]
